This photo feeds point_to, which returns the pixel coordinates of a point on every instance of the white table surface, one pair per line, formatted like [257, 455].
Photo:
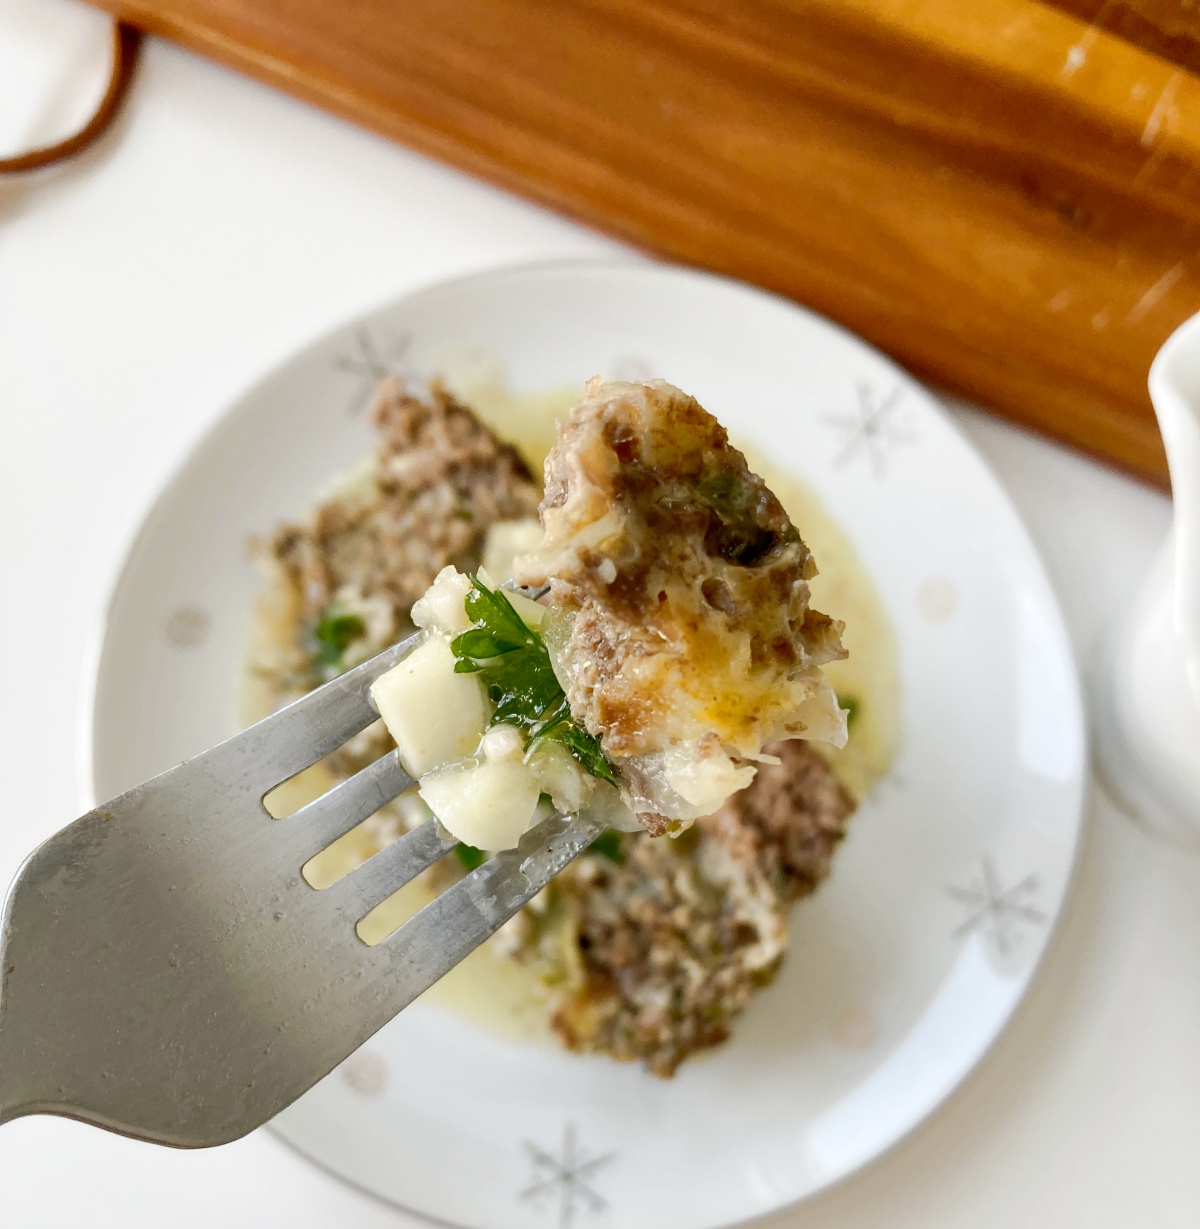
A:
[217, 229]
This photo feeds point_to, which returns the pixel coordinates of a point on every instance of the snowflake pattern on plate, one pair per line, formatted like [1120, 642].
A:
[371, 361]
[365, 1073]
[871, 429]
[187, 627]
[995, 911]
[564, 1179]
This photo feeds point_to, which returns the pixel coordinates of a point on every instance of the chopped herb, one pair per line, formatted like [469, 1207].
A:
[853, 707]
[735, 533]
[469, 856]
[336, 630]
[608, 845]
[515, 668]
[728, 495]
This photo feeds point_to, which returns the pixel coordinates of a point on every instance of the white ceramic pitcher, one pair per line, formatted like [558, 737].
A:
[1147, 714]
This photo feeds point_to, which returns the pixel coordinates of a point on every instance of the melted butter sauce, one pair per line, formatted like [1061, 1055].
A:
[488, 988]
[842, 589]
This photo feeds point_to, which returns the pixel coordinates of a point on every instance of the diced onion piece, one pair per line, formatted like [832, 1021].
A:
[607, 806]
[441, 608]
[435, 715]
[821, 716]
[706, 780]
[489, 804]
[560, 775]
[685, 780]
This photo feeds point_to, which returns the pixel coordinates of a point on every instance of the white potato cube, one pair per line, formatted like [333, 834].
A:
[529, 612]
[502, 742]
[505, 541]
[435, 715]
[441, 608]
[486, 803]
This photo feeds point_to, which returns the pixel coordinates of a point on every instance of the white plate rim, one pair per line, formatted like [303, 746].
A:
[240, 404]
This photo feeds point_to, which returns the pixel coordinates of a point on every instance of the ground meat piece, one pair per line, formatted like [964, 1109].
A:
[794, 814]
[439, 480]
[673, 940]
[660, 953]
[681, 629]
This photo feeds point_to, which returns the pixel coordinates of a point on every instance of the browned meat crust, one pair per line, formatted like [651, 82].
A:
[673, 941]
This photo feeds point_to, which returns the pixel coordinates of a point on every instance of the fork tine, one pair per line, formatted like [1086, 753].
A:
[389, 870]
[310, 829]
[431, 943]
[306, 730]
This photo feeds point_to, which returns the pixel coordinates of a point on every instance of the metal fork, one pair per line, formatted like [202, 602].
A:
[169, 973]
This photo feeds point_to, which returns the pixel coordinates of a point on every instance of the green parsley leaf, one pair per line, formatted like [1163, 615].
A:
[608, 845]
[469, 856]
[736, 533]
[853, 707]
[515, 668]
[336, 630]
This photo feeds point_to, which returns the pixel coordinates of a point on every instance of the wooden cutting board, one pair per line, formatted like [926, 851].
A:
[1002, 196]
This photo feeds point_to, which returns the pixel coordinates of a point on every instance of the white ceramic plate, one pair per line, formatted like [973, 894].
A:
[905, 965]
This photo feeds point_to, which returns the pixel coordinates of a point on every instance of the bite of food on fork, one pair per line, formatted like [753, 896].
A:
[675, 640]
[167, 970]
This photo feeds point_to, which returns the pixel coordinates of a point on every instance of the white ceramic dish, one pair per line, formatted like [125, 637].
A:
[903, 968]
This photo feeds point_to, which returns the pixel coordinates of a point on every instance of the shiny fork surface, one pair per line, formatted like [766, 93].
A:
[169, 973]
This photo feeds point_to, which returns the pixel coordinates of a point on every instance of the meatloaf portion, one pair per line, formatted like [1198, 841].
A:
[656, 945]
[346, 577]
[439, 481]
[681, 627]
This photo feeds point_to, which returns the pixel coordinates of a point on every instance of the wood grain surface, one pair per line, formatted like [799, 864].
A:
[1169, 28]
[1003, 196]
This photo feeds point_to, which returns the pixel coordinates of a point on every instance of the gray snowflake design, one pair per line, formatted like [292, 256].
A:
[187, 627]
[870, 429]
[996, 911]
[371, 361]
[564, 1179]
